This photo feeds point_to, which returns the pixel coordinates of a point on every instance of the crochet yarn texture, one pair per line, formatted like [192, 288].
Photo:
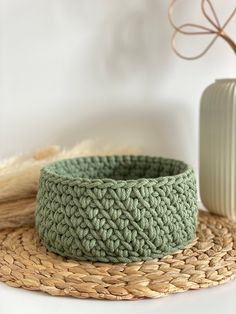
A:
[116, 208]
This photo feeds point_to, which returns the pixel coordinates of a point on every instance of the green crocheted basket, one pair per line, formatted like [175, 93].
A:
[117, 208]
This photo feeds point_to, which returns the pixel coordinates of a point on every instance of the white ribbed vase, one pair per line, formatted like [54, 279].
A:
[218, 148]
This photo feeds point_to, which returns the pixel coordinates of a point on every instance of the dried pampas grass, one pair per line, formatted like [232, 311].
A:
[19, 179]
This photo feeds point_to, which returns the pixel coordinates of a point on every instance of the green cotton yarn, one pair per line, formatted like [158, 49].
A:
[116, 208]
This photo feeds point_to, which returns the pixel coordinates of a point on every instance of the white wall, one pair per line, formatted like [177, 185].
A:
[75, 69]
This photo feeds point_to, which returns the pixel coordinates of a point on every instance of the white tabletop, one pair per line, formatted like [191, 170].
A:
[216, 300]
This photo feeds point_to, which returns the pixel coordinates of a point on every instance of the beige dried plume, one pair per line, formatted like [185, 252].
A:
[19, 179]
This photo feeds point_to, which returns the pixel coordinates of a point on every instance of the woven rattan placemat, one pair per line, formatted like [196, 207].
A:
[210, 260]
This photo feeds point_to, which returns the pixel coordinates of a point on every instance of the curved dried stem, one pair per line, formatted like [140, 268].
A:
[216, 24]
[217, 30]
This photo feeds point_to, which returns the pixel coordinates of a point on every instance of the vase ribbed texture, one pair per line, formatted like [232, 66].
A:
[117, 208]
[218, 148]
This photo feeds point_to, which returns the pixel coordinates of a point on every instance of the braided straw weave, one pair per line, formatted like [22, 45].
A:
[209, 261]
[101, 208]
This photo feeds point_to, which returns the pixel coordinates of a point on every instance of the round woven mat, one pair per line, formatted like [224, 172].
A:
[210, 260]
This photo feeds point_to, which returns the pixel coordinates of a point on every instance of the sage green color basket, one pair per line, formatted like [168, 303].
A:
[116, 208]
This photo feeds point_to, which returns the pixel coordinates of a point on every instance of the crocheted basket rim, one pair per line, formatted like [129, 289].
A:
[116, 220]
[51, 171]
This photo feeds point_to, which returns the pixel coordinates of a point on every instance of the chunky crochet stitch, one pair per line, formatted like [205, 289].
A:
[117, 208]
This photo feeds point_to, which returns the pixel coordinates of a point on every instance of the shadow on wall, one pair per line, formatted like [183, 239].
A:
[161, 131]
[132, 42]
